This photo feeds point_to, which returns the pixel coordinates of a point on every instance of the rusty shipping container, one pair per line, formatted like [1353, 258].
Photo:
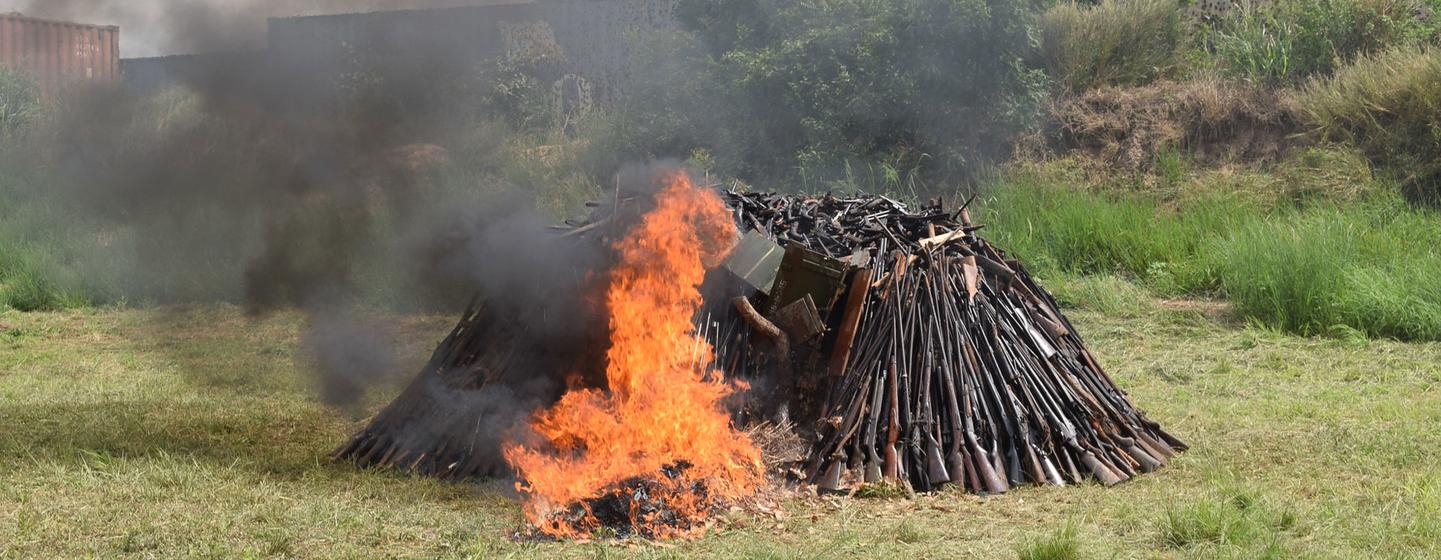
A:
[59, 54]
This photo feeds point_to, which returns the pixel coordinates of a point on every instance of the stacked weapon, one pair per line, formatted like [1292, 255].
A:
[949, 364]
[922, 355]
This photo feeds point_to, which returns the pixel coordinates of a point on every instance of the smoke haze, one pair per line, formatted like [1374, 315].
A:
[167, 27]
[262, 184]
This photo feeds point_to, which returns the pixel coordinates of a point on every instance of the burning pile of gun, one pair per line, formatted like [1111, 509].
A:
[946, 362]
[916, 349]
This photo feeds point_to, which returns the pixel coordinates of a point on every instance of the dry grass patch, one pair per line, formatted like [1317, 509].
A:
[1210, 119]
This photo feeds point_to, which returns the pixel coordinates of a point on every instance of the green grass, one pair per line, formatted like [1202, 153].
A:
[1057, 228]
[1373, 270]
[1319, 261]
[1113, 42]
[28, 282]
[1061, 545]
[168, 432]
[1385, 105]
[1286, 41]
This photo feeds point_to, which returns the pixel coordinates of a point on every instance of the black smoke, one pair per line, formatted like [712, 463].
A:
[281, 182]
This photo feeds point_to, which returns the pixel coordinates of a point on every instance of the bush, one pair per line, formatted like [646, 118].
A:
[1115, 42]
[1387, 106]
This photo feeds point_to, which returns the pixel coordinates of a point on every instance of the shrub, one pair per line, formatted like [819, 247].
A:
[1115, 42]
[1387, 106]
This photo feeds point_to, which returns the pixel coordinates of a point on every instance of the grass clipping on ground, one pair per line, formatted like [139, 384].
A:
[162, 433]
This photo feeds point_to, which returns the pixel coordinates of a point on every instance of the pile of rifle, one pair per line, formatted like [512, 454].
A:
[958, 368]
[941, 361]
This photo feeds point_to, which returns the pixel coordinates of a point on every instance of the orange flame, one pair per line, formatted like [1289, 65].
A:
[663, 407]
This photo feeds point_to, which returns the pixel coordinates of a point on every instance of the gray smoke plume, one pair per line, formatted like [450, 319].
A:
[266, 183]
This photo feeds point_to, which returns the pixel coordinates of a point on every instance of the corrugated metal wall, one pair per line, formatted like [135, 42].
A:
[57, 54]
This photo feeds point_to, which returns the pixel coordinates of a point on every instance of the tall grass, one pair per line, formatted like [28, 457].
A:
[1387, 106]
[1285, 41]
[1115, 42]
[1258, 44]
[1060, 229]
[19, 102]
[1370, 265]
[28, 281]
[1376, 270]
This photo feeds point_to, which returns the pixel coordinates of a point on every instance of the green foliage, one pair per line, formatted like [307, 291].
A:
[1287, 272]
[28, 282]
[1258, 44]
[19, 100]
[1334, 32]
[1060, 545]
[935, 85]
[520, 90]
[1311, 268]
[1372, 268]
[1234, 518]
[1061, 229]
[1285, 41]
[1115, 42]
[1207, 522]
[1386, 105]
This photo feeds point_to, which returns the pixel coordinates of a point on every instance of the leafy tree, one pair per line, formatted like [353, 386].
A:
[936, 87]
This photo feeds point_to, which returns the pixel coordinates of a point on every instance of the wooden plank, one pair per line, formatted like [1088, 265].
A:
[855, 304]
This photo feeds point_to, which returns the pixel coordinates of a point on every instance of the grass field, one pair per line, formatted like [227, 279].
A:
[193, 433]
